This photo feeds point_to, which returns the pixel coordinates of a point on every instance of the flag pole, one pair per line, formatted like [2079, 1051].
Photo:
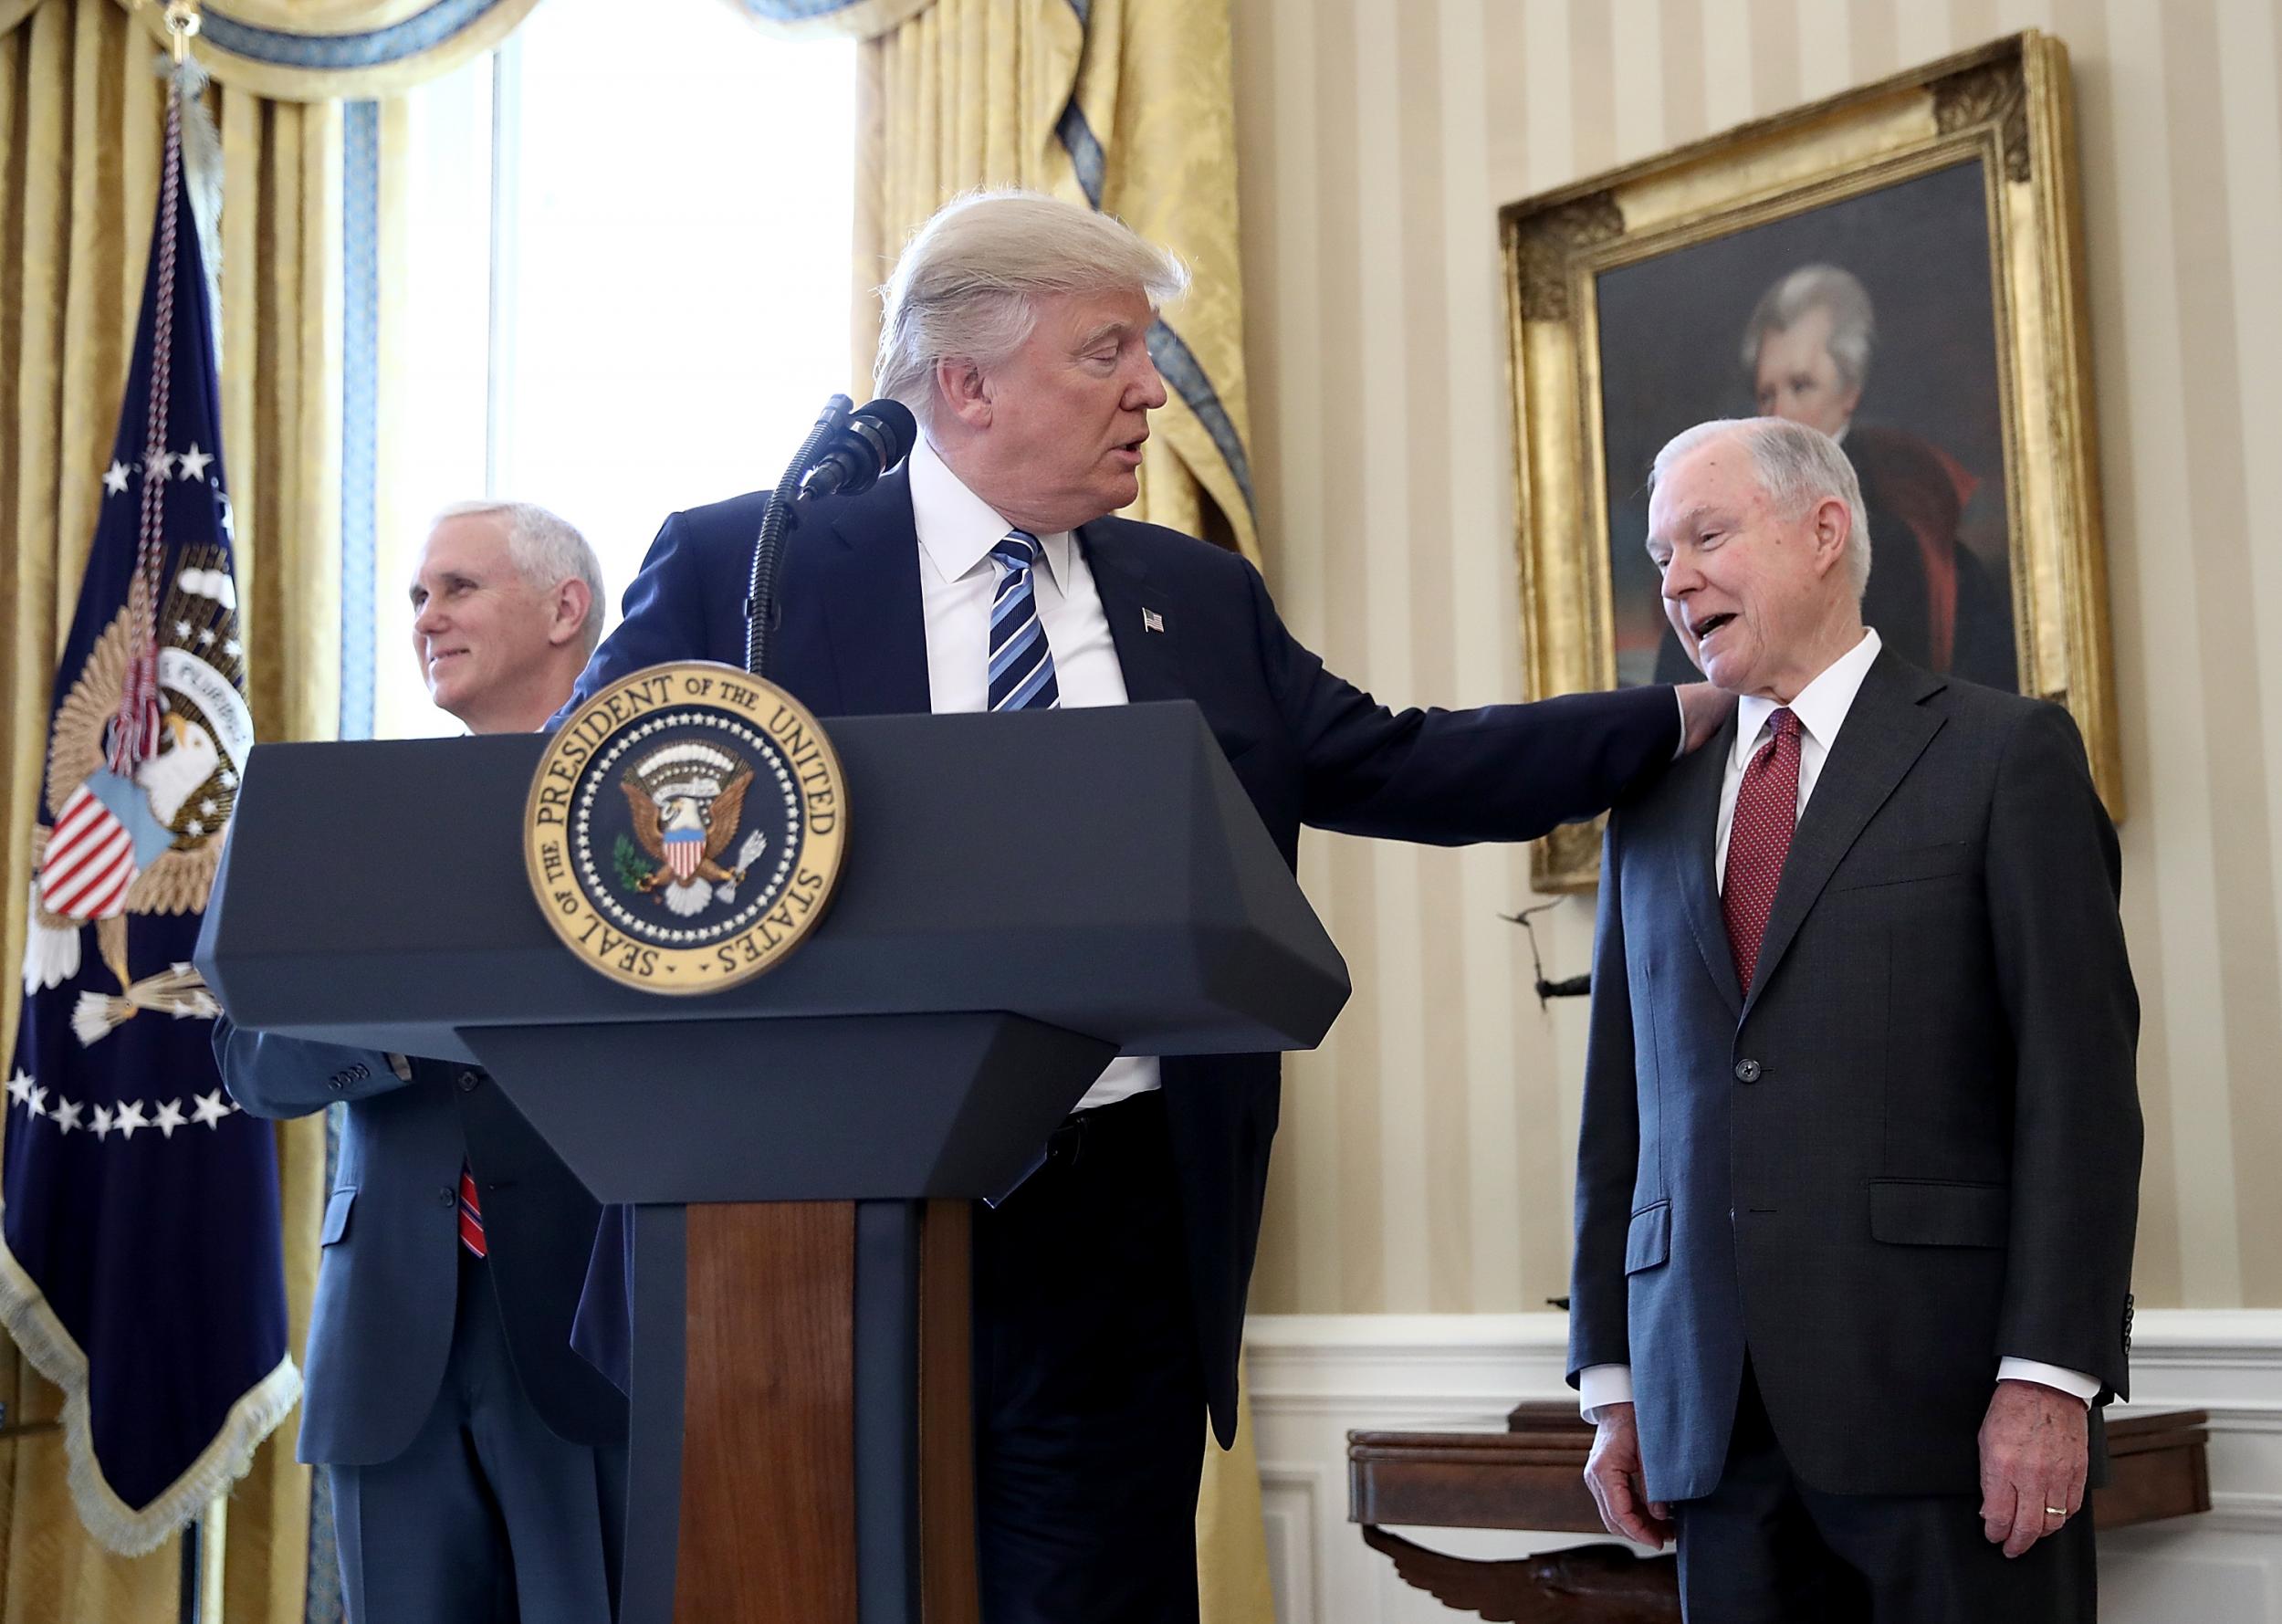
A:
[205, 1542]
[202, 1570]
[192, 1592]
[182, 23]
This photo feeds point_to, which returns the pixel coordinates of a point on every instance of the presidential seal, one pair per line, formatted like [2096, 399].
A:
[685, 827]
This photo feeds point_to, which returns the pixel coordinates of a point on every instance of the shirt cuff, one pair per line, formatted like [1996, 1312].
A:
[2074, 1383]
[1678, 751]
[1598, 1385]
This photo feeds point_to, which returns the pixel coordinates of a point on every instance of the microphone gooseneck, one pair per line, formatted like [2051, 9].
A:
[844, 454]
[761, 611]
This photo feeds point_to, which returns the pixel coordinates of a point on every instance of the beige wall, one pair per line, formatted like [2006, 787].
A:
[1424, 1162]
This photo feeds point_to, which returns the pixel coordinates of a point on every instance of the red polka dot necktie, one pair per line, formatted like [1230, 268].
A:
[1766, 810]
[471, 1212]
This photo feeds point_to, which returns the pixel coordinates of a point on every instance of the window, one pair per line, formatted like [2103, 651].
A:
[624, 283]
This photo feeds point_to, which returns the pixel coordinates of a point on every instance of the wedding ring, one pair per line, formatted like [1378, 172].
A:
[2056, 1511]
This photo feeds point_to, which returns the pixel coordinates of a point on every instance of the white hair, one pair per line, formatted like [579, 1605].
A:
[546, 549]
[1797, 467]
[969, 283]
[1853, 327]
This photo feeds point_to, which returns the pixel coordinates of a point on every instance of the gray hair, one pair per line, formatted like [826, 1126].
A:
[1853, 327]
[1798, 467]
[547, 551]
[969, 282]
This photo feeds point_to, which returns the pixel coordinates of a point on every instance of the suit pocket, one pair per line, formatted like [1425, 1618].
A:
[1923, 1213]
[1650, 1239]
[337, 1207]
[1908, 863]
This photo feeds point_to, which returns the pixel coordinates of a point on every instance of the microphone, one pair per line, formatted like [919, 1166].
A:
[862, 446]
[845, 452]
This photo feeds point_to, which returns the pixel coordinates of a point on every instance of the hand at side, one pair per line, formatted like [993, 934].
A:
[1613, 1473]
[2033, 1463]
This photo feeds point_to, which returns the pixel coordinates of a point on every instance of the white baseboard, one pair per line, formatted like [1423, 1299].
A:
[1314, 1377]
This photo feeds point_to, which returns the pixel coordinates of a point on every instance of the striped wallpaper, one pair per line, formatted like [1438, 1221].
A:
[1424, 1163]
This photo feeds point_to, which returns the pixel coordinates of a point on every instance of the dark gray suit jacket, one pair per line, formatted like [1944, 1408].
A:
[380, 1331]
[1913, 1150]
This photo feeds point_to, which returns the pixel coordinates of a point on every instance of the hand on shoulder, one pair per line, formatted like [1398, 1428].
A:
[1703, 710]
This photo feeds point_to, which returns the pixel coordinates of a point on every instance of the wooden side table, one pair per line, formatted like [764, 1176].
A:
[1532, 1476]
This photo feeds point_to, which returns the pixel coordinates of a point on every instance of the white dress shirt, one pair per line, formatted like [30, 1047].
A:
[1821, 708]
[956, 583]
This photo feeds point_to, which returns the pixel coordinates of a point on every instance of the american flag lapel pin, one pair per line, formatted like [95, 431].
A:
[1151, 621]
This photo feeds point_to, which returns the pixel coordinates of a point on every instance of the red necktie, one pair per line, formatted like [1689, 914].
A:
[471, 1212]
[1766, 810]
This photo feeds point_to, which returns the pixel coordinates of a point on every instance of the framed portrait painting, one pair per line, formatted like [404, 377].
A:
[1901, 268]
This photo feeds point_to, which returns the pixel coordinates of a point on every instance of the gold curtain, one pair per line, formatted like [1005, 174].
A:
[1128, 107]
[81, 116]
[975, 93]
[1231, 1532]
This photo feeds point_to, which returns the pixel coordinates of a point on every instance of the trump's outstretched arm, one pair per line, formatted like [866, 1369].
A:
[1450, 777]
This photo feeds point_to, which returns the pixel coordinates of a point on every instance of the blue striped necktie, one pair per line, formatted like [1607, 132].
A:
[1022, 664]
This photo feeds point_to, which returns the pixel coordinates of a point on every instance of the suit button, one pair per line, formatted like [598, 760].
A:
[1747, 1070]
[336, 1082]
[467, 1081]
[447, 1197]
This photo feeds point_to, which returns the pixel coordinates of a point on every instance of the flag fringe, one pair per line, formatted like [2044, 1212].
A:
[56, 1355]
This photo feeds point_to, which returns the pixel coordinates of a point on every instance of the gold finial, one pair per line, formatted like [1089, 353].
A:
[182, 23]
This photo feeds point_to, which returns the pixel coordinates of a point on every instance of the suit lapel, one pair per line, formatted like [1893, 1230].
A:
[1696, 802]
[1886, 732]
[1143, 623]
[876, 627]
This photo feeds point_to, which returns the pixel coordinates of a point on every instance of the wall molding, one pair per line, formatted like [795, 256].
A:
[2227, 1338]
[1314, 1377]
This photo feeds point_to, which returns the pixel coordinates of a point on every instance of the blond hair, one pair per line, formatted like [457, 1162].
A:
[969, 284]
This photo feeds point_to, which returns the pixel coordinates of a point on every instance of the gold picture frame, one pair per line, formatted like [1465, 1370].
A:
[1671, 243]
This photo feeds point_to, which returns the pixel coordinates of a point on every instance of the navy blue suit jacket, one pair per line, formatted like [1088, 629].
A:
[380, 1330]
[1307, 746]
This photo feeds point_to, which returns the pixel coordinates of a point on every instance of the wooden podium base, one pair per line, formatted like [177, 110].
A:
[771, 1454]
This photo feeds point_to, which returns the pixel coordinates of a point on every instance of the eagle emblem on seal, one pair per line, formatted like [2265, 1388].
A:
[688, 801]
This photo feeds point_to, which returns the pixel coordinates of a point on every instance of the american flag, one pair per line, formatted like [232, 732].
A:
[139, 1260]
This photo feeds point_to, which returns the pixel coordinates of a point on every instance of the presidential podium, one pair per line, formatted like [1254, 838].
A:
[1024, 896]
